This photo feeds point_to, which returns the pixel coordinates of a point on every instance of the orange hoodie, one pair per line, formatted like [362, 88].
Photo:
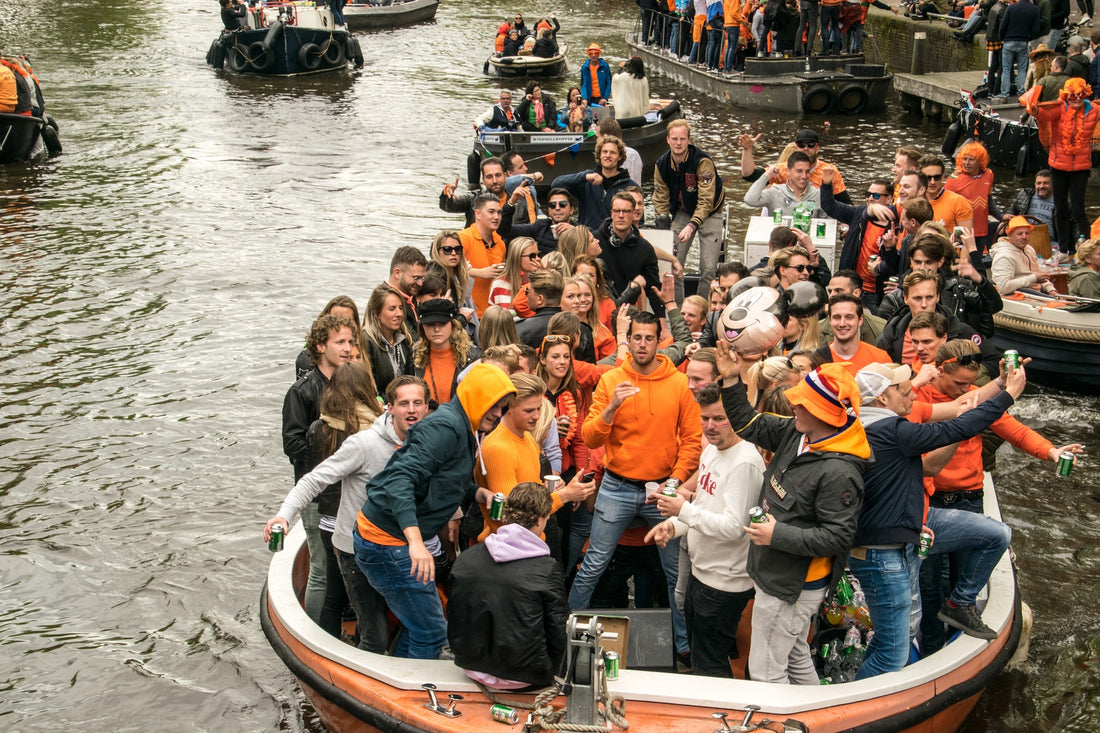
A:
[654, 434]
[964, 471]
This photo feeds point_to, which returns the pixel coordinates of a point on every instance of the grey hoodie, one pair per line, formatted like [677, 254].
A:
[353, 464]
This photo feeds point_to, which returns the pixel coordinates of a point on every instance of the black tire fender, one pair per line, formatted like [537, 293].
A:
[818, 100]
[262, 59]
[852, 99]
[334, 53]
[309, 56]
[236, 59]
[951, 140]
[51, 139]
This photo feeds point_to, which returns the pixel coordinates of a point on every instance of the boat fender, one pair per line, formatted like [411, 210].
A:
[670, 109]
[485, 69]
[1022, 161]
[52, 122]
[272, 36]
[334, 53]
[852, 99]
[260, 58]
[473, 169]
[237, 59]
[628, 122]
[216, 55]
[51, 139]
[951, 140]
[309, 56]
[818, 100]
[354, 51]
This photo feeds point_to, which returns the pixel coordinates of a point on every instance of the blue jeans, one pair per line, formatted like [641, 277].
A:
[984, 537]
[884, 576]
[674, 38]
[1014, 53]
[714, 48]
[616, 504]
[733, 33]
[369, 606]
[830, 28]
[337, 8]
[318, 562]
[415, 604]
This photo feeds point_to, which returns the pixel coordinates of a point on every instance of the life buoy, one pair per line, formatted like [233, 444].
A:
[354, 51]
[309, 56]
[818, 100]
[261, 58]
[852, 99]
[272, 36]
[51, 139]
[236, 59]
[951, 140]
[334, 53]
[670, 109]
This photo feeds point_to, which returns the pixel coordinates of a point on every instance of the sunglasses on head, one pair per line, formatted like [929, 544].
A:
[966, 360]
[806, 144]
[875, 196]
[449, 250]
[555, 338]
[557, 205]
[800, 268]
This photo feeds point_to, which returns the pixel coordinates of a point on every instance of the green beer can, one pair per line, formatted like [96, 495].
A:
[278, 535]
[1065, 464]
[504, 714]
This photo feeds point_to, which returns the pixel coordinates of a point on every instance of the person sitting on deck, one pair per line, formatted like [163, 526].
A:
[1015, 264]
[507, 610]
[1084, 276]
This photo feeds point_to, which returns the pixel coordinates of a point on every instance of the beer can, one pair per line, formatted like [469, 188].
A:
[278, 535]
[777, 216]
[504, 714]
[820, 229]
[611, 665]
[669, 491]
[758, 516]
[1012, 359]
[496, 509]
[1065, 463]
[925, 545]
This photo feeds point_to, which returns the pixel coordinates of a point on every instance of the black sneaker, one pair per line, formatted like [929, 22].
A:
[683, 662]
[967, 620]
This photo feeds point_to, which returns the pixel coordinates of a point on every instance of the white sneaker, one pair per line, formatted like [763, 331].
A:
[1085, 20]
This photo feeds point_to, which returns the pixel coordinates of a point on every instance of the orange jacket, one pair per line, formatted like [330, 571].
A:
[731, 12]
[9, 91]
[964, 471]
[1069, 132]
[656, 433]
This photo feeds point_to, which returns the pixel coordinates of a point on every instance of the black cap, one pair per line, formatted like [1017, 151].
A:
[806, 136]
[437, 310]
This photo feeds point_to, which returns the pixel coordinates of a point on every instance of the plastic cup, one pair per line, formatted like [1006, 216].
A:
[551, 482]
[651, 488]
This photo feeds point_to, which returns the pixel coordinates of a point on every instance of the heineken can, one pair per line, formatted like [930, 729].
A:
[925, 545]
[496, 509]
[1065, 463]
[504, 714]
[758, 516]
[777, 216]
[278, 534]
[820, 229]
[611, 665]
[1012, 359]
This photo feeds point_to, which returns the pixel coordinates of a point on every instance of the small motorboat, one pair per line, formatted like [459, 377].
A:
[559, 153]
[355, 690]
[528, 66]
[286, 39]
[1060, 334]
[25, 136]
[366, 16]
[840, 84]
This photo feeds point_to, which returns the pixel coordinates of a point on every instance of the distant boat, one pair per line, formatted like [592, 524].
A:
[365, 16]
[286, 39]
[528, 66]
[354, 690]
[841, 84]
[23, 137]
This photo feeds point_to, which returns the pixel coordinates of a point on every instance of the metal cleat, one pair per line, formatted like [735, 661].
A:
[721, 717]
[433, 702]
[749, 711]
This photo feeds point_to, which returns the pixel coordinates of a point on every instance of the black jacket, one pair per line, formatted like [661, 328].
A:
[301, 406]
[382, 367]
[542, 231]
[974, 303]
[545, 48]
[625, 259]
[893, 337]
[508, 619]
[549, 110]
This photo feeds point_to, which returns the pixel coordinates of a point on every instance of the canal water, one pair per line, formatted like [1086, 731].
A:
[157, 281]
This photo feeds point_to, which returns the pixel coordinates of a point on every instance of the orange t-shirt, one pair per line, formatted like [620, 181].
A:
[439, 372]
[867, 354]
[869, 247]
[975, 189]
[949, 208]
[481, 254]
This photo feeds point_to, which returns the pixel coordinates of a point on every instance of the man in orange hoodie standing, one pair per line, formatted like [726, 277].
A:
[647, 420]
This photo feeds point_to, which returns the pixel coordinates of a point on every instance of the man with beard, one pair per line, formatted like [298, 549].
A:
[492, 182]
[594, 188]
[407, 267]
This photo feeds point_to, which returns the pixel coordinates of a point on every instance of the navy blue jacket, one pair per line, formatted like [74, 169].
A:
[594, 202]
[893, 486]
[1020, 22]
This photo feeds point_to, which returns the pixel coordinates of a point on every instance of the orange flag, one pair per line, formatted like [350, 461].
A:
[550, 159]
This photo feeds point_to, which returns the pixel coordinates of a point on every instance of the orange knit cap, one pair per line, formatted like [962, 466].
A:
[827, 393]
[1075, 88]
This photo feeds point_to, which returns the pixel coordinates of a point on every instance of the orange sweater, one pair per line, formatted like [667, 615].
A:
[509, 460]
[656, 433]
[479, 255]
[964, 472]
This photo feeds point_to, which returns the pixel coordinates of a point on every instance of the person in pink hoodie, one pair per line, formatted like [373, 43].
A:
[507, 611]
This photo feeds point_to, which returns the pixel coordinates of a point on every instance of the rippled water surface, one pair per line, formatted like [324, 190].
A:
[155, 284]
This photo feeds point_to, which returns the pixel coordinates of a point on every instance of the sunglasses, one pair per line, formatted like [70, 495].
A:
[555, 338]
[805, 144]
[448, 250]
[875, 196]
[533, 256]
[966, 360]
[933, 177]
[558, 205]
[800, 268]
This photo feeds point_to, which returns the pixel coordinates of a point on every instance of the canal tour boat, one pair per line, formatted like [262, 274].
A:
[355, 690]
[1061, 335]
[286, 39]
[369, 16]
[559, 153]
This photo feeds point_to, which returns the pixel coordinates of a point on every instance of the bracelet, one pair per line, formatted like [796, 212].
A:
[624, 343]
[671, 303]
[1001, 383]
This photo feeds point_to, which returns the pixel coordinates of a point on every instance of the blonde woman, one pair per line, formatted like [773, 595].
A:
[575, 242]
[444, 349]
[769, 372]
[522, 259]
[446, 260]
[497, 328]
[579, 297]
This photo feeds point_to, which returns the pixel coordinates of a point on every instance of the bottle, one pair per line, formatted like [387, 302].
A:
[844, 592]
